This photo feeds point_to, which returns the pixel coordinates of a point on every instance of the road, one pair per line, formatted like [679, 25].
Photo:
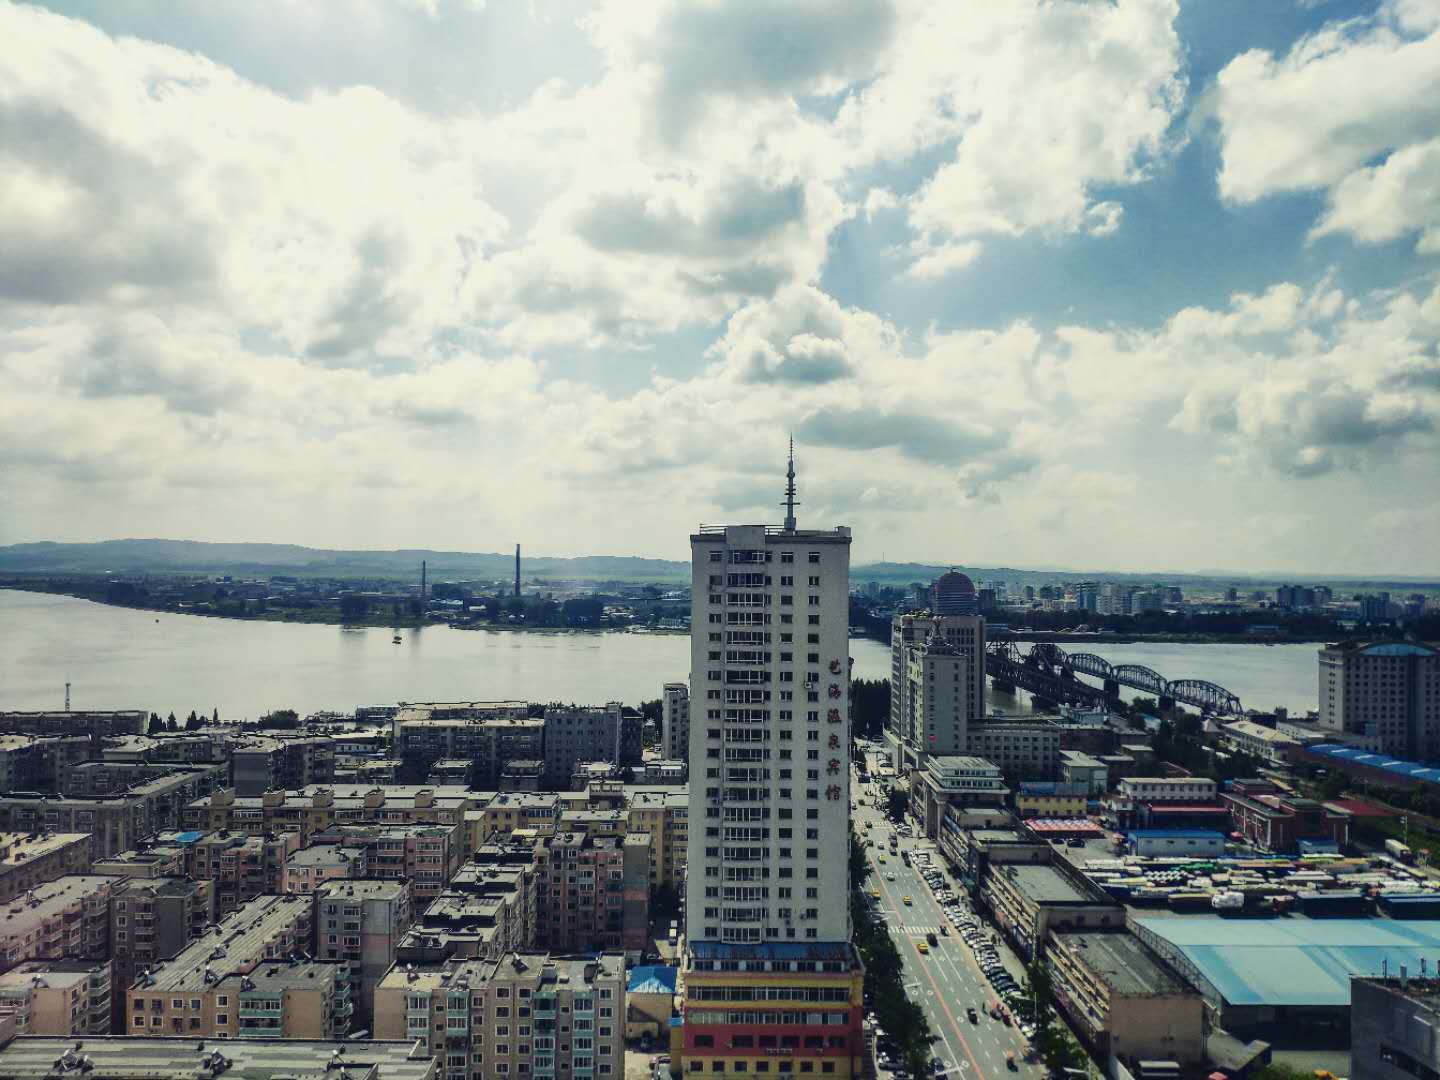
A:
[946, 981]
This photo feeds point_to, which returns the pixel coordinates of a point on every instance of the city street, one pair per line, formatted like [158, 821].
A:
[947, 981]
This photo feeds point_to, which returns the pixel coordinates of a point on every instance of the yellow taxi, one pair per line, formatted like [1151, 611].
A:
[874, 894]
[879, 858]
[921, 947]
[908, 902]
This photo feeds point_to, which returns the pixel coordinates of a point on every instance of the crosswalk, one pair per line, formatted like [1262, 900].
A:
[918, 929]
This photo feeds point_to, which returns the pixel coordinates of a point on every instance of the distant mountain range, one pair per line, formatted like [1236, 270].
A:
[199, 557]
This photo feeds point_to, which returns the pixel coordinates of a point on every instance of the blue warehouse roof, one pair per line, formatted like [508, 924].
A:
[1293, 961]
[1411, 770]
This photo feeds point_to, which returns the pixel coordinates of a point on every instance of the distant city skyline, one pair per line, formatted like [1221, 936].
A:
[453, 275]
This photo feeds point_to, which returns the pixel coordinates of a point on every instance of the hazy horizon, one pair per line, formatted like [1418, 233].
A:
[1144, 283]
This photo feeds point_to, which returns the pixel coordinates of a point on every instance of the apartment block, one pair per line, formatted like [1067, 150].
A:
[117, 822]
[1024, 748]
[172, 747]
[96, 724]
[28, 860]
[153, 920]
[241, 867]
[575, 734]
[360, 923]
[509, 811]
[425, 855]
[32, 1057]
[675, 721]
[67, 917]
[593, 892]
[488, 910]
[59, 997]
[104, 778]
[310, 867]
[246, 978]
[526, 1013]
[38, 763]
[314, 810]
[282, 764]
[1124, 1000]
[490, 733]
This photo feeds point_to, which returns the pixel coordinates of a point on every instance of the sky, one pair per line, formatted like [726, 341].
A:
[1123, 285]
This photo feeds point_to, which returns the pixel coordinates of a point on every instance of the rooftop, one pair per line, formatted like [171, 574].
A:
[361, 889]
[652, 979]
[22, 914]
[120, 1057]
[1045, 884]
[325, 855]
[1292, 961]
[19, 847]
[1122, 963]
[242, 939]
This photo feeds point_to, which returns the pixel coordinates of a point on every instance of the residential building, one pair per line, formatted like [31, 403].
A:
[310, 867]
[938, 672]
[116, 822]
[663, 814]
[1025, 748]
[1029, 900]
[593, 891]
[153, 920]
[767, 906]
[28, 860]
[59, 997]
[360, 922]
[95, 723]
[241, 867]
[1384, 696]
[282, 763]
[661, 771]
[955, 780]
[92, 779]
[526, 1013]
[1123, 1000]
[452, 772]
[675, 721]
[33, 1057]
[1393, 1021]
[575, 734]
[39, 763]
[425, 855]
[509, 811]
[488, 910]
[67, 917]
[490, 733]
[243, 979]
[315, 810]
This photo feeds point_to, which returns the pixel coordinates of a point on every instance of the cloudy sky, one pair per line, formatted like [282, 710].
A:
[1105, 285]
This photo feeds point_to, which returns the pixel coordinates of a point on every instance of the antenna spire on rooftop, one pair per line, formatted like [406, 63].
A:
[790, 502]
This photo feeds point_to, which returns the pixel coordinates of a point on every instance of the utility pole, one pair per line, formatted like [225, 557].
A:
[67, 697]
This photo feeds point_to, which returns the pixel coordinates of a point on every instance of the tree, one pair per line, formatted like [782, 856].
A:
[194, 722]
[281, 718]
[895, 804]
[172, 724]
[1334, 785]
[156, 725]
[869, 706]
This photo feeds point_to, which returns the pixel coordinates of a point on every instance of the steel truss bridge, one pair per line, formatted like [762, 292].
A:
[1049, 672]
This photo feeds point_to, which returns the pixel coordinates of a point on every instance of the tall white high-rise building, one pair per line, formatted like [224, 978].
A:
[935, 694]
[675, 721]
[769, 735]
[767, 889]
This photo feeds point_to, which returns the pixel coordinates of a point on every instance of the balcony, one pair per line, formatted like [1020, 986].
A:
[257, 1031]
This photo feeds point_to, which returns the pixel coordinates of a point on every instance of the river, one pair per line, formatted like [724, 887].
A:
[118, 658]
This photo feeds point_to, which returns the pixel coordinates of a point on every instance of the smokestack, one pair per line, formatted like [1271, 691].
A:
[517, 569]
[422, 583]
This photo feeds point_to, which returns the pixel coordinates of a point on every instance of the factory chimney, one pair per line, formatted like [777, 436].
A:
[422, 584]
[517, 569]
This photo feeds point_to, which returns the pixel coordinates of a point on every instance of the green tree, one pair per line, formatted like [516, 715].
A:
[895, 804]
[156, 725]
[353, 607]
[1334, 786]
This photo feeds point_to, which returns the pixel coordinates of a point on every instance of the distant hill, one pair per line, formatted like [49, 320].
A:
[199, 557]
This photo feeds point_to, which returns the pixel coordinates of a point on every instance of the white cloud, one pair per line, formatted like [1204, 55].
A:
[1319, 117]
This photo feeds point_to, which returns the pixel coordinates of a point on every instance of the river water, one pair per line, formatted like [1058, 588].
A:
[117, 658]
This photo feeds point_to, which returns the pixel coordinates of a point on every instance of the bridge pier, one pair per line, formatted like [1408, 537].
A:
[1112, 690]
[1167, 704]
[1002, 687]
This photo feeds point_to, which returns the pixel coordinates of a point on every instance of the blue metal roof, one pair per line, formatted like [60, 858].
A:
[188, 837]
[651, 979]
[1410, 769]
[1293, 961]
